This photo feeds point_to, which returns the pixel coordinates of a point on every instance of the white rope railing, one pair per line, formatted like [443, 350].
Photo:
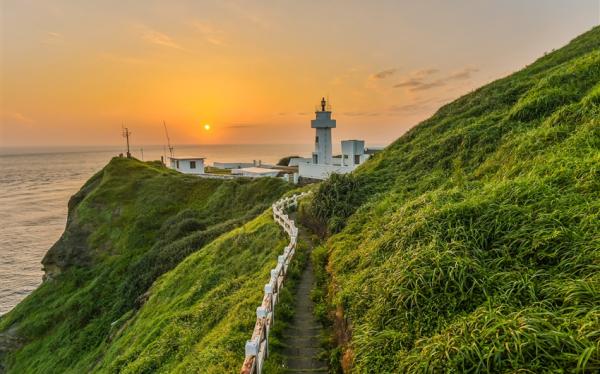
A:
[257, 348]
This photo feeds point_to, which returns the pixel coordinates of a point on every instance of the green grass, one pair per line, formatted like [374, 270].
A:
[130, 224]
[214, 170]
[472, 243]
[199, 316]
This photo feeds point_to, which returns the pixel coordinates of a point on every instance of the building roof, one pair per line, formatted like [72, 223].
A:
[187, 158]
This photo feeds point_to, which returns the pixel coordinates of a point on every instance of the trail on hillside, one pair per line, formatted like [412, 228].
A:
[301, 337]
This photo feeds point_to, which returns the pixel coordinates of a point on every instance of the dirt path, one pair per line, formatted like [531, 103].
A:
[302, 335]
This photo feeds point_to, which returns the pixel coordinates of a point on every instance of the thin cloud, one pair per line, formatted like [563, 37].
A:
[53, 38]
[158, 38]
[429, 85]
[361, 114]
[463, 74]
[241, 125]
[384, 74]
[418, 81]
[244, 12]
[210, 33]
[121, 59]
[426, 72]
[412, 82]
[419, 106]
[18, 118]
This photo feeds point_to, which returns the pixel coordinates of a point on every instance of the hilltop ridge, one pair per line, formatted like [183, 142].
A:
[472, 242]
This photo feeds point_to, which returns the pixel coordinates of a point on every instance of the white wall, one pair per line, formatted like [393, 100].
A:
[232, 165]
[352, 148]
[259, 175]
[318, 171]
[323, 123]
[295, 161]
[184, 166]
[323, 146]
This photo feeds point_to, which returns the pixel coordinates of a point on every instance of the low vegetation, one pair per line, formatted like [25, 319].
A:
[472, 243]
[130, 224]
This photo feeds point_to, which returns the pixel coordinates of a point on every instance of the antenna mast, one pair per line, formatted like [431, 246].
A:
[126, 134]
[168, 139]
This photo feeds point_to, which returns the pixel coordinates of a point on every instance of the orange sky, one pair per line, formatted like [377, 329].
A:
[72, 71]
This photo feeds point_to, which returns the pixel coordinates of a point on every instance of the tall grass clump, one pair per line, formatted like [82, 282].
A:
[472, 243]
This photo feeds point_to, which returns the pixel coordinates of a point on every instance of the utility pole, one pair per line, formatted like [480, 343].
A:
[168, 139]
[126, 134]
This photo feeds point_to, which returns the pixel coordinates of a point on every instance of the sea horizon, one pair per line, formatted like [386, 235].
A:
[38, 181]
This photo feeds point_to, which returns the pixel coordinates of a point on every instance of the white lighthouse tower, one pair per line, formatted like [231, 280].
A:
[323, 125]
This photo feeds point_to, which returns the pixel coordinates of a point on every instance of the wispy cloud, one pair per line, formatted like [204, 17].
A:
[418, 106]
[53, 38]
[210, 33]
[245, 12]
[121, 59]
[463, 74]
[423, 86]
[158, 38]
[411, 82]
[384, 74]
[17, 117]
[423, 73]
[361, 114]
[241, 125]
[419, 80]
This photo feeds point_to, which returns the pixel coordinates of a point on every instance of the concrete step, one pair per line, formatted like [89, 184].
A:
[304, 363]
[301, 330]
[293, 351]
[307, 371]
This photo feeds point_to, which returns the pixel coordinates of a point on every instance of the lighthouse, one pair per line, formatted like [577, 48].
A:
[323, 125]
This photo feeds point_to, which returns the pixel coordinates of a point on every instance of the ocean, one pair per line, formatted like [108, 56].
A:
[36, 184]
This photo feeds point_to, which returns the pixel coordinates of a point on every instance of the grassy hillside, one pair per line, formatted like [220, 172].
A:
[472, 243]
[130, 224]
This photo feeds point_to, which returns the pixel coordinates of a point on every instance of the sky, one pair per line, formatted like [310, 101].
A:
[71, 72]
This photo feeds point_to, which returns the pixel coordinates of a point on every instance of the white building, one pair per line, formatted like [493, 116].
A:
[256, 172]
[323, 164]
[187, 164]
[233, 165]
[353, 152]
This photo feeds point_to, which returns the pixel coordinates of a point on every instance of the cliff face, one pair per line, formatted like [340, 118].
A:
[128, 225]
[472, 243]
[72, 248]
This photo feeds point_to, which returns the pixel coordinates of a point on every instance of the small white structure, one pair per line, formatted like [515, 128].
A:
[233, 165]
[256, 172]
[295, 161]
[187, 164]
[322, 164]
[353, 152]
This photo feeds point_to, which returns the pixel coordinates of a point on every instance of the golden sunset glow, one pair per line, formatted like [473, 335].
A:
[206, 126]
[255, 70]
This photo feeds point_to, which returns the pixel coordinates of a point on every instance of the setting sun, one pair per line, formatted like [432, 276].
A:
[206, 126]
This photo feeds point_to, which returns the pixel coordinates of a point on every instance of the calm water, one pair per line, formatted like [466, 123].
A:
[36, 184]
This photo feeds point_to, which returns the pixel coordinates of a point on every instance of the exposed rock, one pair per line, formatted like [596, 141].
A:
[9, 341]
